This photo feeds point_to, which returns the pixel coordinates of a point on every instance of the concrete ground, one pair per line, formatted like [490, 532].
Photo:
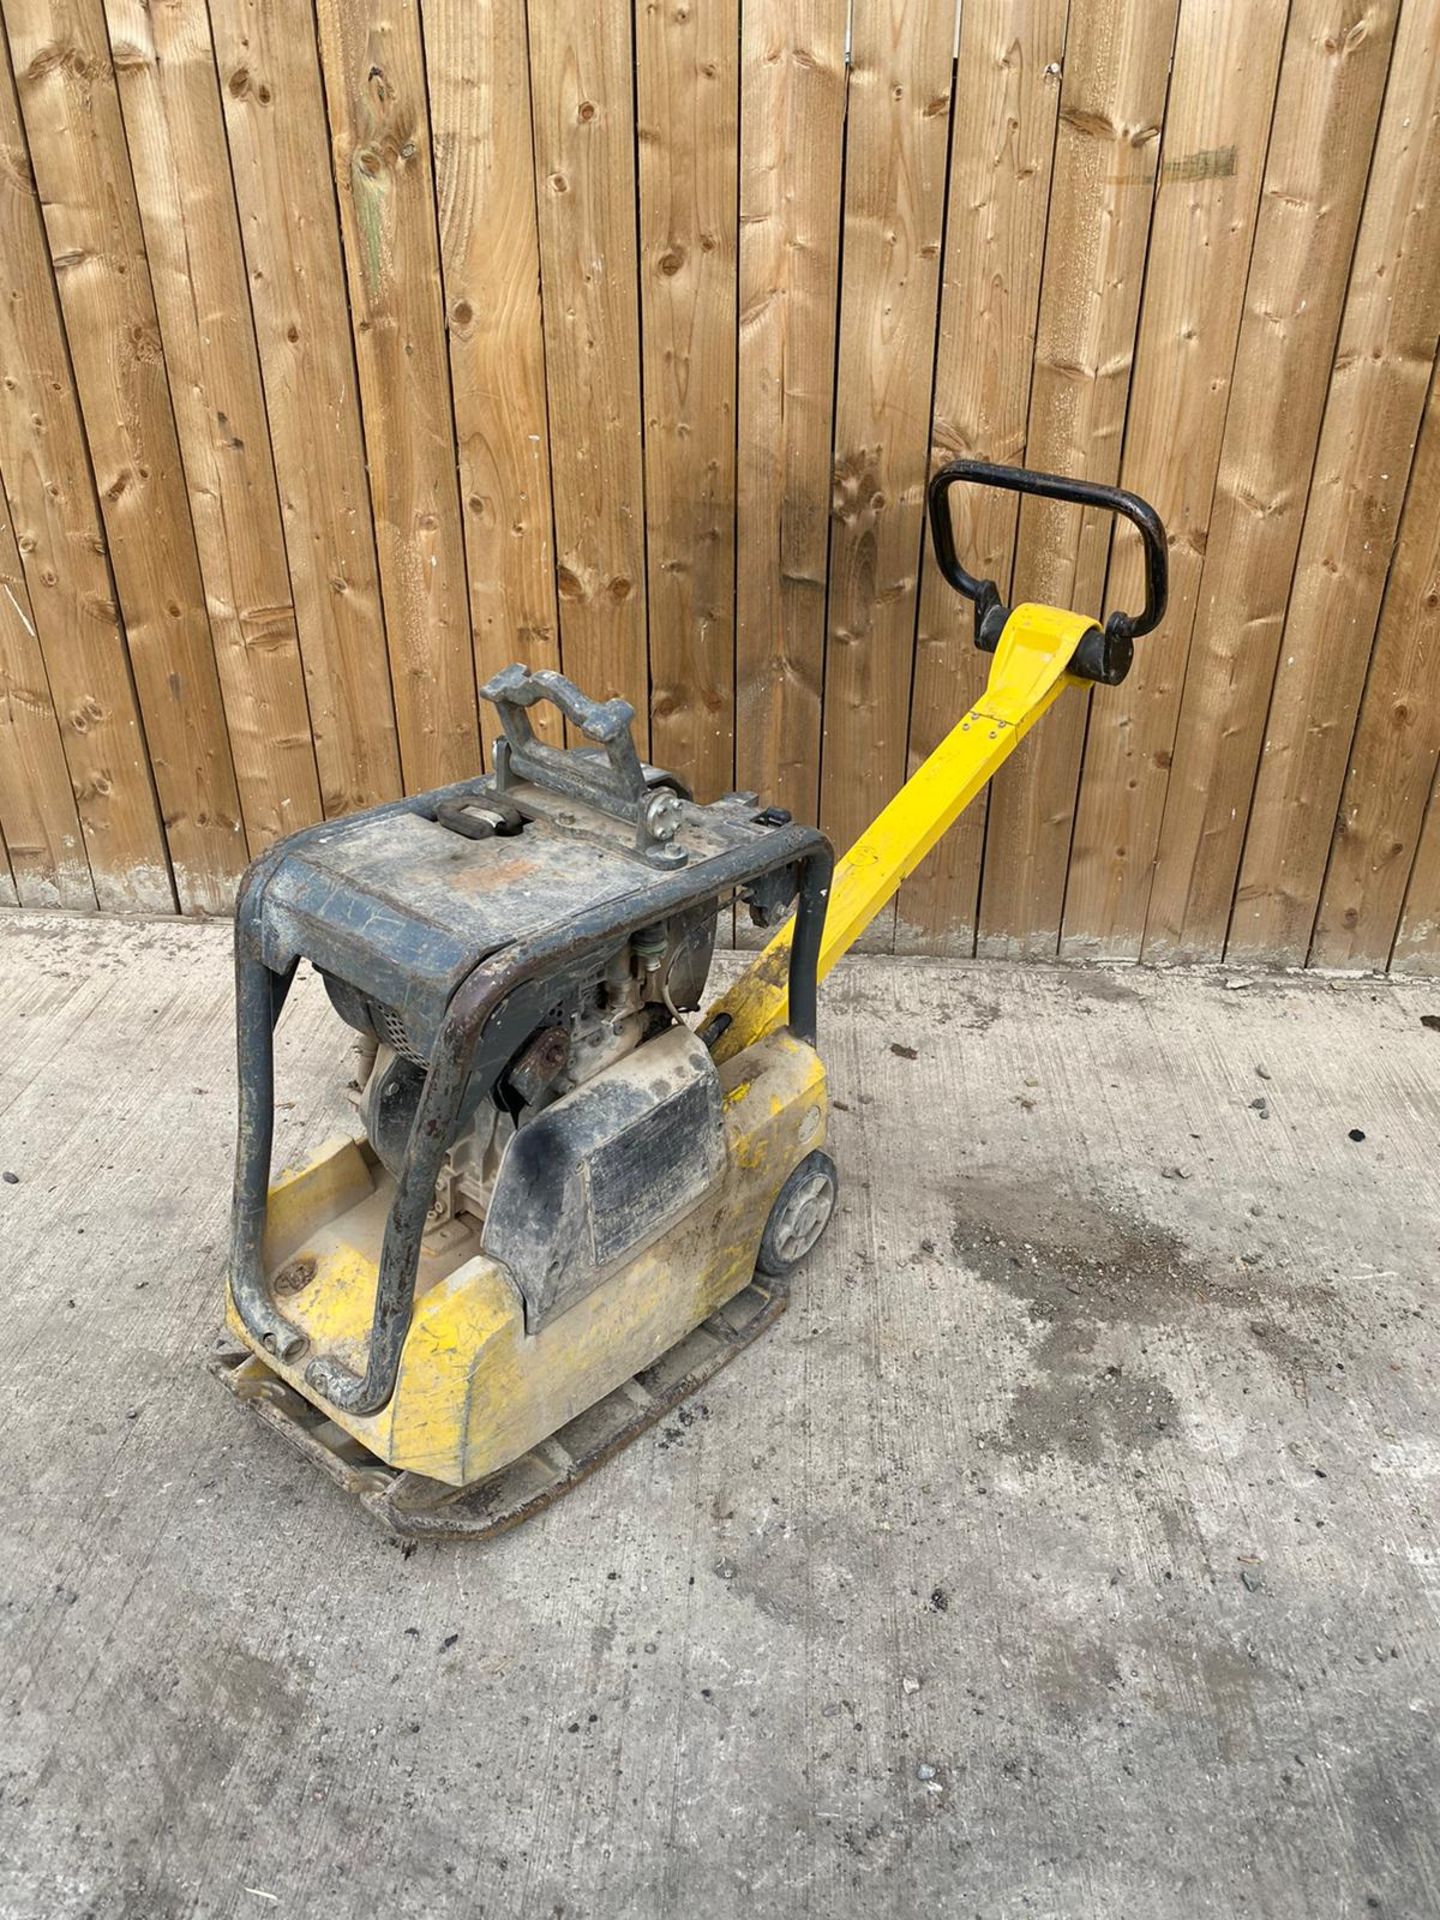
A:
[1069, 1549]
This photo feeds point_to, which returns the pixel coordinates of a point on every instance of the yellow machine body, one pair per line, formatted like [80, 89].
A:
[475, 1390]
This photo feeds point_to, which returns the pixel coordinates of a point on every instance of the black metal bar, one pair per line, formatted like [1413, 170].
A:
[259, 997]
[990, 612]
[404, 1227]
[481, 1002]
[803, 989]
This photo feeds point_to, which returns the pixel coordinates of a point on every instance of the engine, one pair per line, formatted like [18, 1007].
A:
[641, 994]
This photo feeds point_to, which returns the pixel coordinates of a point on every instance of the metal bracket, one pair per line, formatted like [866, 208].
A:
[609, 775]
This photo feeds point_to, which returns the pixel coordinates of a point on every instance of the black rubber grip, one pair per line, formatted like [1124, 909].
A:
[990, 610]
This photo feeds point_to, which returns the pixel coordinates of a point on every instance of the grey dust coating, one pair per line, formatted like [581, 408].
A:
[1068, 1549]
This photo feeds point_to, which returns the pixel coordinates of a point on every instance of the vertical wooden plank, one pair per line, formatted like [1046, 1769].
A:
[1332, 82]
[1417, 945]
[1377, 393]
[1111, 104]
[581, 71]
[82, 172]
[791, 150]
[1397, 743]
[1007, 101]
[687, 78]
[165, 71]
[1212, 159]
[375, 85]
[62, 551]
[899, 127]
[37, 808]
[275, 121]
[478, 69]
[9, 897]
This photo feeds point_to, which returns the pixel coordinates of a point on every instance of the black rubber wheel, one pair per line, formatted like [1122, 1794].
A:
[802, 1211]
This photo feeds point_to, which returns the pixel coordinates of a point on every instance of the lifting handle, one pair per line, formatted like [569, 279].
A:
[615, 783]
[1103, 655]
[608, 774]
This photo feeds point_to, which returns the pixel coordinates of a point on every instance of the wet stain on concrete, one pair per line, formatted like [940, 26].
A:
[1077, 1679]
[1086, 1412]
[971, 1013]
[1081, 1268]
[1293, 1358]
[1103, 986]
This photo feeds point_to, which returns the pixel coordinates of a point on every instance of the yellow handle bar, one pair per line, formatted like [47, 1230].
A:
[1028, 674]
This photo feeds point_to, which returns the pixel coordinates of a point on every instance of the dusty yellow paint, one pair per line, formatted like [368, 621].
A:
[337, 1178]
[1028, 675]
[475, 1391]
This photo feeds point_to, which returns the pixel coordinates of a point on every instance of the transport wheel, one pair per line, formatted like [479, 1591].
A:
[799, 1216]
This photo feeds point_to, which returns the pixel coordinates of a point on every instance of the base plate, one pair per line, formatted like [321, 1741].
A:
[414, 1507]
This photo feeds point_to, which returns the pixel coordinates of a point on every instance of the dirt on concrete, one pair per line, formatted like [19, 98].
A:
[1068, 1550]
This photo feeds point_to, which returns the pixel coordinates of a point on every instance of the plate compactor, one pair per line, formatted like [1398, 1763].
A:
[570, 1206]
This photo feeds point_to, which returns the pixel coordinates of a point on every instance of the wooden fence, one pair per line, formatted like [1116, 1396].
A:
[352, 348]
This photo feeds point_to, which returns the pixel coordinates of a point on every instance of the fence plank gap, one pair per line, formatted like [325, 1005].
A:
[82, 172]
[374, 73]
[792, 149]
[40, 825]
[1002, 149]
[477, 67]
[175, 130]
[275, 124]
[1112, 101]
[899, 126]
[1397, 743]
[1417, 945]
[688, 104]
[1332, 83]
[1212, 158]
[56, 520]
[1377, 393]
[582, 75]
